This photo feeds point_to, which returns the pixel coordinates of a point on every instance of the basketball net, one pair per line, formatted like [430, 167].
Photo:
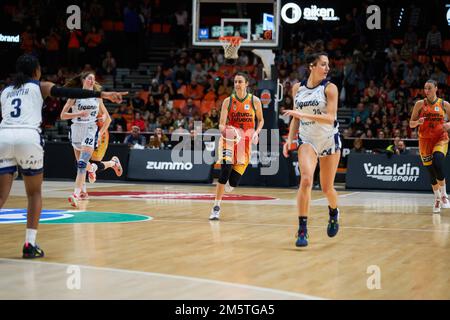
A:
[231, 45]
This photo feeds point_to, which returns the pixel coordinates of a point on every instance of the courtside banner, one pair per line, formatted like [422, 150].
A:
[378, 171]
[157, 165]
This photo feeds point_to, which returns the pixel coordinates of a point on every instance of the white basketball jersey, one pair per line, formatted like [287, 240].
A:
[22, 107]
[314, 101]
[88, 104]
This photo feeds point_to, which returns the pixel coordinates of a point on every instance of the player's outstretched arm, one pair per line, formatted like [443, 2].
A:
[50, 89]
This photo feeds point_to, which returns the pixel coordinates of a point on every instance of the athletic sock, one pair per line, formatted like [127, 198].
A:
[30, 236]
[437, 193]
[333, 212]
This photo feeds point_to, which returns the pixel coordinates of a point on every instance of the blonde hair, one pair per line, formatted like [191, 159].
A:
[77, 82]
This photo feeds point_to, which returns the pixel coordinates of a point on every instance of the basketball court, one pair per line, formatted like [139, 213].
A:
[161, 245]
[154, 240]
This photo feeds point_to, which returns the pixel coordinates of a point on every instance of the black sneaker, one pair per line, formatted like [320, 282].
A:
[333, 225]
[31, 252]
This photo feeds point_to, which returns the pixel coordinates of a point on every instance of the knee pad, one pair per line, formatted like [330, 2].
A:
[438, 164]
[83, 161]
[432, 173]
[225, 173]
[234, 179]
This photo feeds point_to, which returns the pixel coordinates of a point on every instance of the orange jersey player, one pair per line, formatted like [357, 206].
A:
[238, 115]
[429, 115]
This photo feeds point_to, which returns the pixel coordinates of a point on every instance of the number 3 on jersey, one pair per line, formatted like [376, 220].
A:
[16, 103]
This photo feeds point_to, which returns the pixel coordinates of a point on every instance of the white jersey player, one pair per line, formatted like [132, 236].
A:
[314, 118]
[21, 146]
[84, 132]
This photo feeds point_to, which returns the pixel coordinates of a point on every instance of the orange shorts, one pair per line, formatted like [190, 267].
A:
[237, 154]
[102, 146]
[427, 146]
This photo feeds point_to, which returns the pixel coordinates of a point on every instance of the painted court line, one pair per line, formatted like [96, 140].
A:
[169, 276]
[309, 226]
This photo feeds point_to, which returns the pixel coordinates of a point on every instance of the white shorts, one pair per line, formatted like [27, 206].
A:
[21, 147]
[84, 135]
[323, 147]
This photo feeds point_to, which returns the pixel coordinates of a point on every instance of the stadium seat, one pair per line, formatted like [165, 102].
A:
[118, 26]
[206, 106]
[107, 25]
[179, 103]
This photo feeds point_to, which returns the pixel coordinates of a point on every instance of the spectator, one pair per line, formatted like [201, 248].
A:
[135, 140]
[137, 101]
[138, 122]
[118, 120]
[360, 111]
[93, 41]
[358, 146]
[401, 148]
[162, 139]
[109, 66]
[433, 42]
[190, 110]
[154, 143]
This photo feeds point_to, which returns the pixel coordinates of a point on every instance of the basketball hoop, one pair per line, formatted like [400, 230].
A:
[231, 45]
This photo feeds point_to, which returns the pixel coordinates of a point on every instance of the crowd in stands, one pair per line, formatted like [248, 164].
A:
[379, 86]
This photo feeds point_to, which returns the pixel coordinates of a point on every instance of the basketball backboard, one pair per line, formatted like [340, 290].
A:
[256, 21]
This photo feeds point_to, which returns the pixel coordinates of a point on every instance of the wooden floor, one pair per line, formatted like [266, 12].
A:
[249, 254]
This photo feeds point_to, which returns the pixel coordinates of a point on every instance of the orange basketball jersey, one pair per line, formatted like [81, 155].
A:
[434, 115]
[241, 113]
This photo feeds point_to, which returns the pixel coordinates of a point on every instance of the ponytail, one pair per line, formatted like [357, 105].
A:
[26, 67]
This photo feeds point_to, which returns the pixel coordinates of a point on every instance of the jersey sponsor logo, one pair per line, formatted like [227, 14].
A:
[303, 104]
[241, 117]
[404, 173]
[84, 107]
[179, 166]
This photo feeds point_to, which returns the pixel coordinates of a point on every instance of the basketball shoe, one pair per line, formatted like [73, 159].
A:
[30, 252]
[437, 205]
[117, 166]
[333, 223]
[84, 195]
[445, 203]
[92, 175]
[73, 200]
[302, 238]
[215, 213]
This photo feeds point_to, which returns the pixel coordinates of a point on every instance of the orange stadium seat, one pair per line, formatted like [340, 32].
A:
[166, 28]
[144, 95]
[107, 25]
[206, 106]
[446, 45]
[118, 26]
[422, 58]
[179, 103]
[156, 28]
[446, 60]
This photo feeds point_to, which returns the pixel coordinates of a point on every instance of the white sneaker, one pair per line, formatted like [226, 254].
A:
[445, 203]
[92, 176]
[73, 200]
[228, 188]
[215, 213]
[437, 205]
